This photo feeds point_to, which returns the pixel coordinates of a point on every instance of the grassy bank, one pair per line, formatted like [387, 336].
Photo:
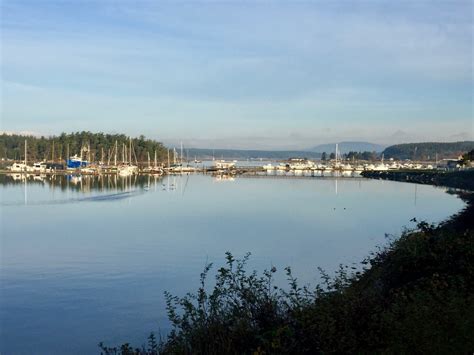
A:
[415, 295]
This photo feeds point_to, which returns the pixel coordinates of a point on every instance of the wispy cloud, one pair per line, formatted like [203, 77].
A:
[209, 68]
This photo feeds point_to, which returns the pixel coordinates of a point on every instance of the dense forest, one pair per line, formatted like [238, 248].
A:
[428, 151]
[99, 146]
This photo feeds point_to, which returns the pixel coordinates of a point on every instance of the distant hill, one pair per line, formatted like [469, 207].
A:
[427, 151]
[345, 147]
[203, 154]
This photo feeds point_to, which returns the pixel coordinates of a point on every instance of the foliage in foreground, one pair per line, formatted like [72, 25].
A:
[416, 295]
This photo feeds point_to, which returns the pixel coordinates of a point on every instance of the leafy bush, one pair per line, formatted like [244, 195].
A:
[415, 295]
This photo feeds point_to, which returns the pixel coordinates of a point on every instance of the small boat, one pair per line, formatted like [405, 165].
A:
[18, 167]
[300, 164]
[224, 165]
[179, 168]
[127, 170]
[21, 167]
[76, 162]
[380, 167]
[39, 167]
[155, 169]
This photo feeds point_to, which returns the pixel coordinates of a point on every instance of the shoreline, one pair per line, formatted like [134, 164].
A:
[413, 294]
[463, 179]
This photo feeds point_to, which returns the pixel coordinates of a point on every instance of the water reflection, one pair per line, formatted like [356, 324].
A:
[100, 183]
[92, 263]
[84, 183]
[113, 186]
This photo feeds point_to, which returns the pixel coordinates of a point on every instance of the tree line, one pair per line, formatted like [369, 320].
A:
[352, 155]
[468, 157]
[428, 151]
[96, 146]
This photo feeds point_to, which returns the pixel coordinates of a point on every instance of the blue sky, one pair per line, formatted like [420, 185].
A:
[251, 74]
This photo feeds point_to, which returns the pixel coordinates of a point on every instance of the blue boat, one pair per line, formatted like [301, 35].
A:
[76, 162]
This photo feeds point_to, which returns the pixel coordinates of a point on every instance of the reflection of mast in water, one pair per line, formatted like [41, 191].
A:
[186, 184]
[415, 192]
[26, 191]
[336, 186]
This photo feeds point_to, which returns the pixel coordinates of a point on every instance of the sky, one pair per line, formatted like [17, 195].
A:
[240, 74]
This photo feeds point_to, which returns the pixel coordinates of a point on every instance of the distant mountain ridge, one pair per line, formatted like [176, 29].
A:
[345, 147]
[204, 154]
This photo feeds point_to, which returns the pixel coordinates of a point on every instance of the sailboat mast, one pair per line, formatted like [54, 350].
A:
[155, 159]
[181, 153]
[168, 158]
[148, 153]
[130, 151]
[25, 153]
[337, 148]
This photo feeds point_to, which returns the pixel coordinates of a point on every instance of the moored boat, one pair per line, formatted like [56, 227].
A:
[224, 165]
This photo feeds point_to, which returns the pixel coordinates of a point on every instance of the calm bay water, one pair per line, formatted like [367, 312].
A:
[85, 260]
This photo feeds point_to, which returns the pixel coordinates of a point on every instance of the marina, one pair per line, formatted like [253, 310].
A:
[292, 167]
[216, 167]
[125, 163]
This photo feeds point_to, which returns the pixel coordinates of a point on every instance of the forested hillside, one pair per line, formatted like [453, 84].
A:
[57, 147]
[427, 151]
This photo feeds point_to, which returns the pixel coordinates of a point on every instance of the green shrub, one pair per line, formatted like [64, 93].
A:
[415, 295]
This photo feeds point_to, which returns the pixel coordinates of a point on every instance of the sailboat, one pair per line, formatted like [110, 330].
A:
[178, 167]
[127, 168]
[21, 167]
[381, 166]
[155, 169]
